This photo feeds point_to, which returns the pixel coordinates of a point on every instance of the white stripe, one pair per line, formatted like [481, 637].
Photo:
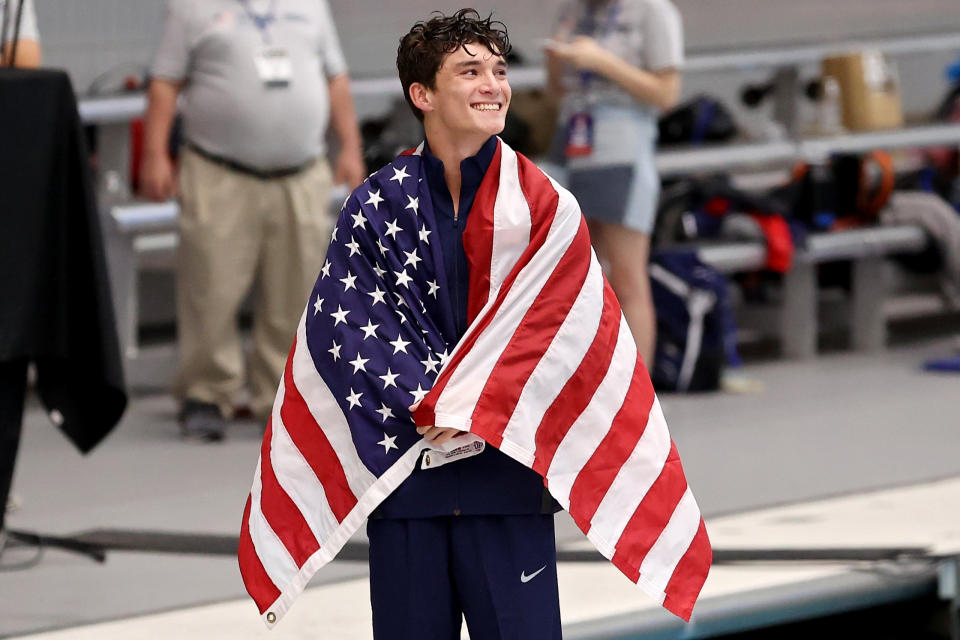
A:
[328, 414]
[559, 362]
[591, 426]
[459, 397]
[274, 557]
[297, 478]
[657, 568]
[511, 222]
[632, 483]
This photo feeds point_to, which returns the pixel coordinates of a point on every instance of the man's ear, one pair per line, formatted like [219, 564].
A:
[421, 96]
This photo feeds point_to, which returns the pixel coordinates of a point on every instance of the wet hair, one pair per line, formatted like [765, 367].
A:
[423, 48]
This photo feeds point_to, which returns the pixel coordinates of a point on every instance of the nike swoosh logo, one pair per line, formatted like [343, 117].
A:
[527, 578]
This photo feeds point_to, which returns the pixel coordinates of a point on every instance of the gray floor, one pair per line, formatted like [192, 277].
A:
[840, 423]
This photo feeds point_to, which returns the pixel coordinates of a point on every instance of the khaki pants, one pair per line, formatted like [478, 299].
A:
[238, 232]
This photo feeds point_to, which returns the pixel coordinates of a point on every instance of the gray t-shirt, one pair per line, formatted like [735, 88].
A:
[28, 24]
[228, 109]
[646, 33]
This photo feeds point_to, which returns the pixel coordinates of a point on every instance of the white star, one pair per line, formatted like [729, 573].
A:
[387, 443]
[335, 351]
[389, 379]
[414, 203]
[444, 357]
[392, 228]
[377, 296]
[400, 175]
[413, 258]
[399, 344]
[340, 315]
[400, 315]
[375, 199]
[318, 305]
[418, 393]
[359, 220]
[353, 246]
[434, 287]
[345, 201]
[403, 278]
[354, 398]
[385, 411]
[383, 249]
[359, 364]
[348, 282]
[369, 331]
[400, 301]
[333, 237]
[325, 270]
[430, 364]
[425, 235]
[377, 270]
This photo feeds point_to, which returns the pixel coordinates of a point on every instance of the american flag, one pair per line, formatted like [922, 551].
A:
[548, 372]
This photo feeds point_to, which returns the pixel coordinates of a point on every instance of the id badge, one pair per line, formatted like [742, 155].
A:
[579, 135]
[274, 66]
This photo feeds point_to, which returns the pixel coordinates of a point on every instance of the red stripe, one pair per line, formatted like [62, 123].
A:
[689, 576]
[598, 474]
[543, 199]
[479, 237]
[653, 513]
[313, 444]
[530, 341]
[280, 511]
[255, 578]
[580, 387]
[408, 152]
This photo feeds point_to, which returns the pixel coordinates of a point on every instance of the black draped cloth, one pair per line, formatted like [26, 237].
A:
[55, 304]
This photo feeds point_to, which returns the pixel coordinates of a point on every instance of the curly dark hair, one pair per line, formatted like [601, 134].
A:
[422, 49]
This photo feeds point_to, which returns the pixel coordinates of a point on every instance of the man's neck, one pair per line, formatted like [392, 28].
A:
[451, 151]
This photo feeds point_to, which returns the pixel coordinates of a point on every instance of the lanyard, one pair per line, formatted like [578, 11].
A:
[586, 77]
[261, 21]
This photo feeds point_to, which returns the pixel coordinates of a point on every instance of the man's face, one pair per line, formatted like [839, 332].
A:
[471, 93]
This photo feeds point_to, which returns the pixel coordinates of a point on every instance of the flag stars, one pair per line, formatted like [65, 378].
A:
[414, 203]
[333, 236]
[359, 364]
[389, 379]
[392, 229]
[434, 287]
[354, 398]
[388, 443]
[340, 315]
[374, 199]
[377, 270]
[424, 235]
[377, 295]
[349, 282]
[430, 364]
[334, 351]
[403, 278]
[399, 344]
[412, 258]
[318, 305]
[383, 249]
[359, 220]
[385, 412]
[354, 247]
[400, 175]
[370, 331]
[325, 270]
[418, 393]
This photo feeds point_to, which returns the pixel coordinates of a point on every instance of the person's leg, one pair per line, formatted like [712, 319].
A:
[216, 261]
[411, 592]
[297, 232]
[505, 568]
[13, 386]
[625, 253]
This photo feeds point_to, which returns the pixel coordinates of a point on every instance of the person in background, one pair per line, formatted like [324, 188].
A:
[21, 41]
[259, 81]
[615, 63]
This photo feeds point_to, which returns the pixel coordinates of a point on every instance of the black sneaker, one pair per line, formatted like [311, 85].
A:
[201, 421]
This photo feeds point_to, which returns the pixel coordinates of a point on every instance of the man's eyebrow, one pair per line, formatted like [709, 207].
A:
[475, 63]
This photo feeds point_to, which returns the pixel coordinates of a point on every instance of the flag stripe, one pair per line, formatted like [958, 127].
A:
[312, 441]
[658, 565]
[558, 364]
[531, 340]
[273, 553]
[516, 220]
[599, 473]
[633, 480]
[589, 429]
[255, 578]
[580, 388]
[479, 235]
[688, 578]
[280, 511]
